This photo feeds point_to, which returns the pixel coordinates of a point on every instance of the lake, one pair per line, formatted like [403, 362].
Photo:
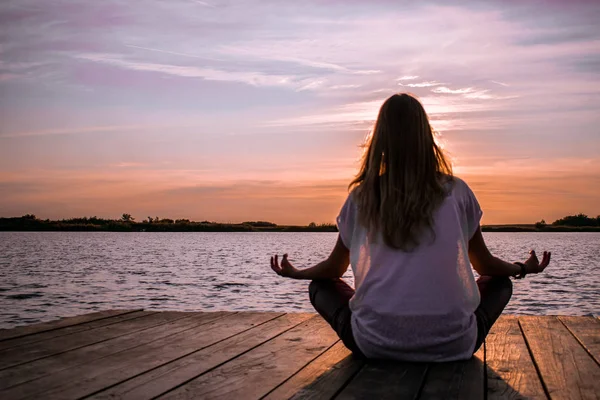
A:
[46, 275]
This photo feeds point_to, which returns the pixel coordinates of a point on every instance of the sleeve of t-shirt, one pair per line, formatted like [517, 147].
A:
[473, 211]
[345, 221]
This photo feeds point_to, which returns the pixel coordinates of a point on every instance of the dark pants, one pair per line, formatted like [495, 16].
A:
[330, 298]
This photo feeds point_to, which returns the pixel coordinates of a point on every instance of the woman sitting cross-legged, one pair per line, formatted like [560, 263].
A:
[410, 231]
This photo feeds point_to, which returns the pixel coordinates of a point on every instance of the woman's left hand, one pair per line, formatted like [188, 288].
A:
[533, 265]
[285, 269]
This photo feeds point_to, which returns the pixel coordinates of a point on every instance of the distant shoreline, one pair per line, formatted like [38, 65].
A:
[93, 224]
[533, 228]
[290, 229]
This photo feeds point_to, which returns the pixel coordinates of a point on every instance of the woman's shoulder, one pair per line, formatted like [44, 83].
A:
[457, 183]
[350, 200]
[463, 194]
[353, 194]
[459, 188]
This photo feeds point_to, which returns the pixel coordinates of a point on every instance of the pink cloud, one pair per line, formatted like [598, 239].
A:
[446, 90]
[421, 84]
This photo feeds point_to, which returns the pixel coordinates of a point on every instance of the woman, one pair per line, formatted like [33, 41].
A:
[410, 230]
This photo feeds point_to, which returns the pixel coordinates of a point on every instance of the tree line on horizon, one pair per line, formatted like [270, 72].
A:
[127, 222]
[580, 220]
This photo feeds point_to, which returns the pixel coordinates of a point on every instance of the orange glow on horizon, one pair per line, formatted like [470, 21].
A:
[509, 192]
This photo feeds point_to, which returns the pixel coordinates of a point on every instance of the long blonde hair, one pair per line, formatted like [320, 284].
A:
[403, 176]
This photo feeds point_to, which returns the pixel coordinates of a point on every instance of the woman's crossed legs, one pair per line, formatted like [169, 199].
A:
[330, 297]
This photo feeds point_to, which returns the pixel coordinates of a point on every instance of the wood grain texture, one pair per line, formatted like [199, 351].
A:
[511, 372]
[88, 354]
[30, 352]
[20, 331]
[88, 379]
[587, 332]
[386, 380]
[162, 379]
[454, 380]
[55, 334]
[255, 373]
[566, 369]
[322, 378]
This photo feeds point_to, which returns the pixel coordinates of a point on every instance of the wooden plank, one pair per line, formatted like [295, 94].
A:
[253, 374]
[55, 333]
[30, 352]
[511, 372]
[57, 324]
[386, 380]
[566, 369]
[322, 378]
[455, 380]
[587, 331]
[88, 354]
[162, 379]
[220, 360]
[85, 380]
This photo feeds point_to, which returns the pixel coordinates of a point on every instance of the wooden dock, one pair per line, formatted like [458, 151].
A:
[136, 354]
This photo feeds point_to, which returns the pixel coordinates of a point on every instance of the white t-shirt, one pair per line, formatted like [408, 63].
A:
[419, 305]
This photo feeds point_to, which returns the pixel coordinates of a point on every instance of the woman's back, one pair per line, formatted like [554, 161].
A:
[416, 305]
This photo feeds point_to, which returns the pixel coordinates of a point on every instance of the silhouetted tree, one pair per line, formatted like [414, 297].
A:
[127, 218]
[576, 220]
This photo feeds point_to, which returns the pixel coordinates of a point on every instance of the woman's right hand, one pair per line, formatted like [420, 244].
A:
[286, 268]
[533, 265]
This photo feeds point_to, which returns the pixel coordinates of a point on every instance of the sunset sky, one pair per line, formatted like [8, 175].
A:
[254, 110]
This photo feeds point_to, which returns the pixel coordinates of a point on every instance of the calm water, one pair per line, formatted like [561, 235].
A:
[44, 275]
